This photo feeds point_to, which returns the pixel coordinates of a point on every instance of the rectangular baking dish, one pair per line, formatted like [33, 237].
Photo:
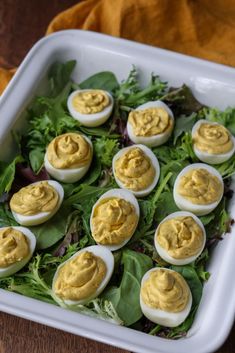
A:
[213, 85]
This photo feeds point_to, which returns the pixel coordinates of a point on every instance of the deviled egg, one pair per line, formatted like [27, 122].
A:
[212, 142]
[91, 107]
[68, 157]
[198, 188]
[180, 238]
[84, 276]
[136, 169]
[37, 202]
[165, 297]
[150, 124]
[114, 218]
[17, 245]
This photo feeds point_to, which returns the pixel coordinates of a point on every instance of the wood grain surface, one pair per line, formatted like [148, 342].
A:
[22, 23]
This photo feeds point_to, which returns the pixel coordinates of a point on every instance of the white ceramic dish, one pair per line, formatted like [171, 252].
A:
[212, 84]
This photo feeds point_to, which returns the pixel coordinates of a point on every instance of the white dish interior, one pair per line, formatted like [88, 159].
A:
[212, 84]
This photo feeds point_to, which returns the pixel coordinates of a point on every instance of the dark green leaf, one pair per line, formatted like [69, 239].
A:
[190, 275]
[36, 158]
[52, 231]
[125, 298]
[7, 174]
[59, 75]
[103, 80]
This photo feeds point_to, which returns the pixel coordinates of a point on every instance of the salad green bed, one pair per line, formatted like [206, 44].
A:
[68, 231]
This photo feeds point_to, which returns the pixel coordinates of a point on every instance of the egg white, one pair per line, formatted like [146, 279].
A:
[162, 317]
[90, 120]
[156, 140]
[209, 157]
[41, 217]
[68, 175]
[154, 161]
[106, 256]
[15, 267]
[122, 194]
[163, 252]
[184, 204]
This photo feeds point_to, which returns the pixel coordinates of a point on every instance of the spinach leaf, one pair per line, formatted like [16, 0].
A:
[105, 80]
[94, 172]
[36, 158]
[7, 174]
[191, 277]
[49, 233]
[125, 298]
[59, 75]
[165, 206]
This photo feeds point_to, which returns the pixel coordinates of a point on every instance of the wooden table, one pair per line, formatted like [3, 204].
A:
[22, 23]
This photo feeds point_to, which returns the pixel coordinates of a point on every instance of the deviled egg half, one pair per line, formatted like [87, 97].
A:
[198, 188]
[180, 238]
[150, 124]
[37, 202]
[91, 107]
[114, 218]
[84, 276]
[136, 169]
[17, 245]
[68, 157]
[212, 142]
[165, 297]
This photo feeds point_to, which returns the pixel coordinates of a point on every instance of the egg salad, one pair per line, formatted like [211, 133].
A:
[114, 218]
[165, 297]
[84, 276]
[180, 238]
[17, 245]
[212, 142]
[37, 202]
[150, 124]
[136, 169]
[68, 157]
[114, 188]
[198, 188]
[91, 107]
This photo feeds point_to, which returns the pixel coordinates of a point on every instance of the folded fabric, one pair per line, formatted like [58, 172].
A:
[201, 28]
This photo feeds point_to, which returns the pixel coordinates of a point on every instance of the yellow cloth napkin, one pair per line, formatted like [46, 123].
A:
[202, 28]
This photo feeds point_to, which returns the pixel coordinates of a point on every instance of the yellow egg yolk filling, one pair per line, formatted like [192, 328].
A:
[69, 151]
[80, 277]
[165, 290]
[114, 220]
[14, 246]
[34, 199]
[135, 170]
[181, 237]
[90, 102]
[150, 122]
[200, 187]
[212, 139]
